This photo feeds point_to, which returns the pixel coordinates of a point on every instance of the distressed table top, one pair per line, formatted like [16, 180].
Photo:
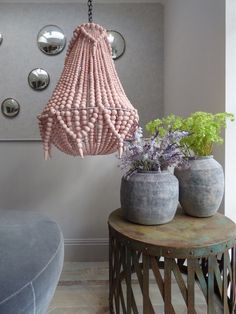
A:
[184, 232]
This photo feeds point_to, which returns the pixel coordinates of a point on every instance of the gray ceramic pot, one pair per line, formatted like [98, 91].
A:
[201, 186]
[149, 198]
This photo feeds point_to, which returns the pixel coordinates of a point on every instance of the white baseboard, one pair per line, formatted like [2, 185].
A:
[86, 249]
[87, 241]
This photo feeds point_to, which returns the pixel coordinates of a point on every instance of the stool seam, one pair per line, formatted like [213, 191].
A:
[28, 283]
[34, 297]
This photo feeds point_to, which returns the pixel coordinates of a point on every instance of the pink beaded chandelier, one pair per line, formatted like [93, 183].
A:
[88, 113]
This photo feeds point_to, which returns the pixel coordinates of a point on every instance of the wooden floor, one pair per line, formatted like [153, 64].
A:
[83, 289]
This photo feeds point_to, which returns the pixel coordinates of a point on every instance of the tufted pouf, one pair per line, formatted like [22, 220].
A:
[31, 259]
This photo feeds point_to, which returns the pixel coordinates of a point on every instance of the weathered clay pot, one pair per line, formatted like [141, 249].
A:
[201, 186]
[149, 198]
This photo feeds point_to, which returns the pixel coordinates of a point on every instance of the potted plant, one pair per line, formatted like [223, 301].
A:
[149, 192]
[201, 185]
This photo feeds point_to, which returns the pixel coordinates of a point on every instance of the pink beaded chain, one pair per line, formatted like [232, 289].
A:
[88, 113]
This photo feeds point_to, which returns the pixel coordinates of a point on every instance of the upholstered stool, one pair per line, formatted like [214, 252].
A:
[31, 259]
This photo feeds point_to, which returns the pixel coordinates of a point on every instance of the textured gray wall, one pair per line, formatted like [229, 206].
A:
[79, 194]
[140, 69]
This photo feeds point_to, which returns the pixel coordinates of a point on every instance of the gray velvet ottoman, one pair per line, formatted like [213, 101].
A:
[31, 259]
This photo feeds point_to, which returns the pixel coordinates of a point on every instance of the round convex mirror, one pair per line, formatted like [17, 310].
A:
[51, 40]
[38, 79]
[1, 38]
[10, 108]
[117, 43]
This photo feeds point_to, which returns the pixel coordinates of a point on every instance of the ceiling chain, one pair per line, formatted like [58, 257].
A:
[90, 11]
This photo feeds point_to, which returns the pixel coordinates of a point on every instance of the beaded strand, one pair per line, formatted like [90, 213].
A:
[89, 112]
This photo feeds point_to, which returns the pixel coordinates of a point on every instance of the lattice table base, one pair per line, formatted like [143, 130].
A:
[214, 273]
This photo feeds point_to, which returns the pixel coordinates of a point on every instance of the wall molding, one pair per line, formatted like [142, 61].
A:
[81, 1]
[87, 241]
[86, 249]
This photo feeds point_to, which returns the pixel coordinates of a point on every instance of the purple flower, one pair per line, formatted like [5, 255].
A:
[153, 154]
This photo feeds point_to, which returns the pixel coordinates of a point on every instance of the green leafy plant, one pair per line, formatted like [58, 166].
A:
[204, 130]
[164, 125]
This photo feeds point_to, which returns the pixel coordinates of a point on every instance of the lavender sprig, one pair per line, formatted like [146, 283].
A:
[153, 154]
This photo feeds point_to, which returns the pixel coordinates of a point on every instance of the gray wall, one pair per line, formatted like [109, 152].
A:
[140, 69]
[79, 194]
[195, 58]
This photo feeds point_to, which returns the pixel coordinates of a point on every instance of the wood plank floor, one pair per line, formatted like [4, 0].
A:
[83, 289]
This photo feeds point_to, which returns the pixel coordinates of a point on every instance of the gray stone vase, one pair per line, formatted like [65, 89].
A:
[201, 186]
[149, 198]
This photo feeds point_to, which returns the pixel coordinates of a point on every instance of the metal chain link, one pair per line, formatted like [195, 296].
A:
[90, 11]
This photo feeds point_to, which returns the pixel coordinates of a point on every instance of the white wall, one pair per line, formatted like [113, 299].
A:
[79, 194]
[194, 71]
[230, 144]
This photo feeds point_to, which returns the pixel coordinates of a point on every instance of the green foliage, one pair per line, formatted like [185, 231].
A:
[169, 123]
[204, 130]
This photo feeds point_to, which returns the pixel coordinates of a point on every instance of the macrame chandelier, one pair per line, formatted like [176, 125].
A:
[88, 113]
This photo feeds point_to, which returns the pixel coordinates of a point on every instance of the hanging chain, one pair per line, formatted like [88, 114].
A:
[90, 11]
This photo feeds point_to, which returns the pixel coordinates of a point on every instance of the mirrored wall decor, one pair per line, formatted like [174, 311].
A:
[38, 79]
[117, 43]
[51, 40]
[10, 108]
[1, 38]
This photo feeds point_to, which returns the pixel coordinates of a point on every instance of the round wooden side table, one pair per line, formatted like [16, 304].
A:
[201, 248]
